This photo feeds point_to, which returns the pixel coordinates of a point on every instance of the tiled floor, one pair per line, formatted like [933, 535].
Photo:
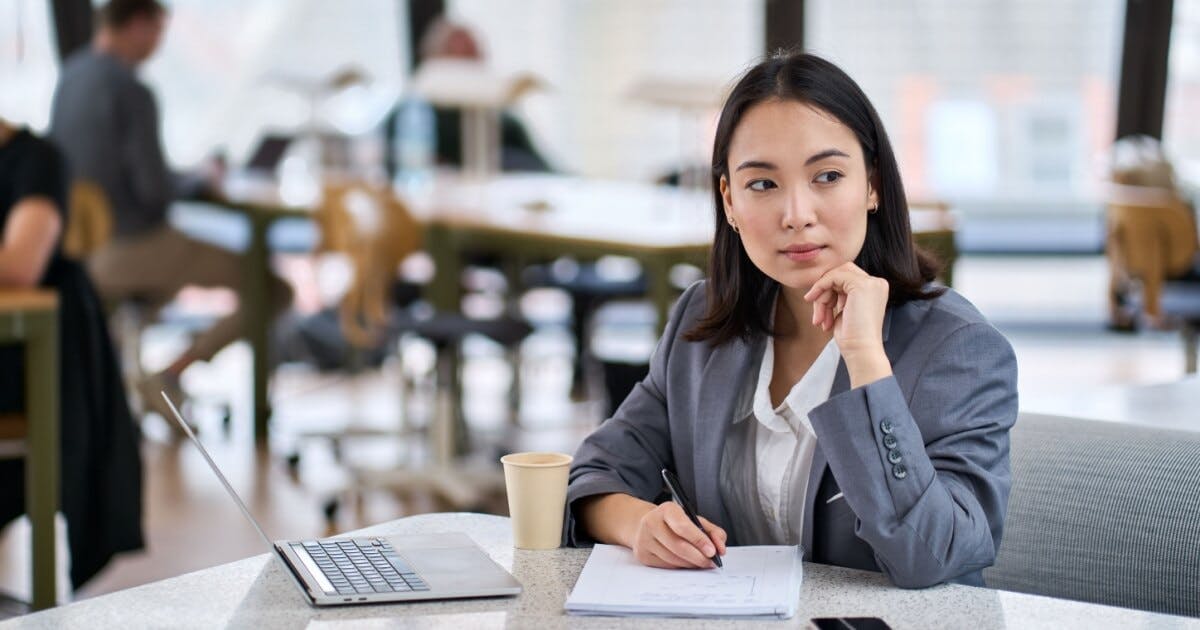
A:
[1052, 309]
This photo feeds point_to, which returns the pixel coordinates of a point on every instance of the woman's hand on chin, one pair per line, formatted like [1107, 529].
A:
[852, 303]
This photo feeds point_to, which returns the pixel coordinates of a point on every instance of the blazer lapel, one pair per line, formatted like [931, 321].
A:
[721, 386]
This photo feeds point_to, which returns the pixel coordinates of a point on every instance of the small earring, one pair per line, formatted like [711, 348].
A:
[873, 209]
[733, 225]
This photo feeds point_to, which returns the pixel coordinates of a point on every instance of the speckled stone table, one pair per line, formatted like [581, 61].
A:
[256, 593]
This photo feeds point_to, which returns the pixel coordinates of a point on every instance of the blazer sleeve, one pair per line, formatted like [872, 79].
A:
[627, 452]
[930, 499]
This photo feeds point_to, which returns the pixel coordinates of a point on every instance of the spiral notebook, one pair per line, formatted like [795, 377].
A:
[756, 582]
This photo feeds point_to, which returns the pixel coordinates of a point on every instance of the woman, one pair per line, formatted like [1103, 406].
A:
[816, 389]
[101, 468]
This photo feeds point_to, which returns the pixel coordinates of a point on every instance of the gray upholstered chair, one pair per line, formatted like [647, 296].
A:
[1103, 512]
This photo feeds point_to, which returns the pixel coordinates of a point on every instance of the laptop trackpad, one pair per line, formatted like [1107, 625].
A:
[457, 568]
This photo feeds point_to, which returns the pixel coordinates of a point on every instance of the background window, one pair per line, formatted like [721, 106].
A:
[28, 62]
[228, 70]
[1002, 107]
[593, 53]
[1181, 127]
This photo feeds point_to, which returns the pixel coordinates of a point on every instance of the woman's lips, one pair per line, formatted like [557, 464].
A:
[802, 253]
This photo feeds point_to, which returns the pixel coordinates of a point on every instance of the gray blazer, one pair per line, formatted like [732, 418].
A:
[935, 514]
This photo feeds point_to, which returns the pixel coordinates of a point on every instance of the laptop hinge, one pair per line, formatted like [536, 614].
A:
[296, 574]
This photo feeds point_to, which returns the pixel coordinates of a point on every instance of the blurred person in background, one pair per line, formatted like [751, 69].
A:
[106, 121]
[101, 469]
[1151, 234]
[446, 40]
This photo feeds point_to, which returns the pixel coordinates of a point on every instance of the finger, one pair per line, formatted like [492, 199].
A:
[820, 286]
[817, 303]
[837, 279]
[689, 542]
[678, 522]
[830, 280]
[837, 310]
[674, 553]
[651, 552]
[821, 304]
[828, 314]
[652, 559]
[815, 290]
[717, 535]
[693, 552]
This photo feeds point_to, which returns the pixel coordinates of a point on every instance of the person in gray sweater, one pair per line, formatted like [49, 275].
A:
[107, 123]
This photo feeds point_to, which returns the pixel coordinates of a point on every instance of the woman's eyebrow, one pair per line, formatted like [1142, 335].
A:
[770, 166]
[756, 164]
[827, 153]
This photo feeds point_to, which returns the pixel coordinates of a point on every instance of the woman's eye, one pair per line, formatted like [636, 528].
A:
[761, 185]
[829, 177]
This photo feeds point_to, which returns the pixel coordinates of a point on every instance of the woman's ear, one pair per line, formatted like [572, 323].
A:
[873, 190]
[726, 198]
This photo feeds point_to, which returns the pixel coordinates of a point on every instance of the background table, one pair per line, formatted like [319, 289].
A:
[1174, 405]
[522, 219]
[30, 317]
[256, 593]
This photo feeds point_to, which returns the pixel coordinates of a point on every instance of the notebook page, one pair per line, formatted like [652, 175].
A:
[759, 581]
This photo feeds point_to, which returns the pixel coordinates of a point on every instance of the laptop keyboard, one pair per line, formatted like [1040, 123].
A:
[364, 566]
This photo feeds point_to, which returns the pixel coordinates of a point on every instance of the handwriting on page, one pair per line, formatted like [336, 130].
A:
[701, 587]
[756, 581]
[737, 583]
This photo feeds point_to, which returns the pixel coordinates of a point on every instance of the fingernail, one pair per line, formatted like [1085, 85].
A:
[709, 551]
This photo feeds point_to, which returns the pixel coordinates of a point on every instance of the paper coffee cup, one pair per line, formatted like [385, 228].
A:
[536, 484]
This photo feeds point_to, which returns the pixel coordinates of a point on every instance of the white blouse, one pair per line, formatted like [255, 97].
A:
[770, 460]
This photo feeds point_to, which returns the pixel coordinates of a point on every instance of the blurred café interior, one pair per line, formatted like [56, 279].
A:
[370, 246]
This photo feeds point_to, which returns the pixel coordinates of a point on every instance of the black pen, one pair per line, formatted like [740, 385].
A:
[684, 502]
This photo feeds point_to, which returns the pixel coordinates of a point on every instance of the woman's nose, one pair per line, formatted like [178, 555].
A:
[800, 212]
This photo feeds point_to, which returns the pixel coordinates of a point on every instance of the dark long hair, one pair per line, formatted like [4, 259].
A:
[739, 294]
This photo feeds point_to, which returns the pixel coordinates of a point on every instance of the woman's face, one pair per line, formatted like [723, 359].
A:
[798, 191]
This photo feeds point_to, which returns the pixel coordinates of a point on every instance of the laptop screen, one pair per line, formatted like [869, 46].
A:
[268, 153]
[211, 464]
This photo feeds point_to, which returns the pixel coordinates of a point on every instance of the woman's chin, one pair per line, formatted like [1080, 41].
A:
[799, 279]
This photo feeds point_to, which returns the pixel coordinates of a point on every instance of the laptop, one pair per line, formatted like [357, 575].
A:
[374, 570]
[268, 153]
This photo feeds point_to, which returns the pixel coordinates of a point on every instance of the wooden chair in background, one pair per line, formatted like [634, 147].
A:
[30, 317]
[1152, 244]
[1151, 238]
[375, 232]
[89, 222]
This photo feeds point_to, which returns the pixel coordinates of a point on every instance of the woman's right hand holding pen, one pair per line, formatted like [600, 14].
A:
[659, 535]
[666, 538]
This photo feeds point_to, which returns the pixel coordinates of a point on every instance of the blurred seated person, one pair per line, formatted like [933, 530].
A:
[447, 40]
[107, 122]
[101, 469]
[1152, 235]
